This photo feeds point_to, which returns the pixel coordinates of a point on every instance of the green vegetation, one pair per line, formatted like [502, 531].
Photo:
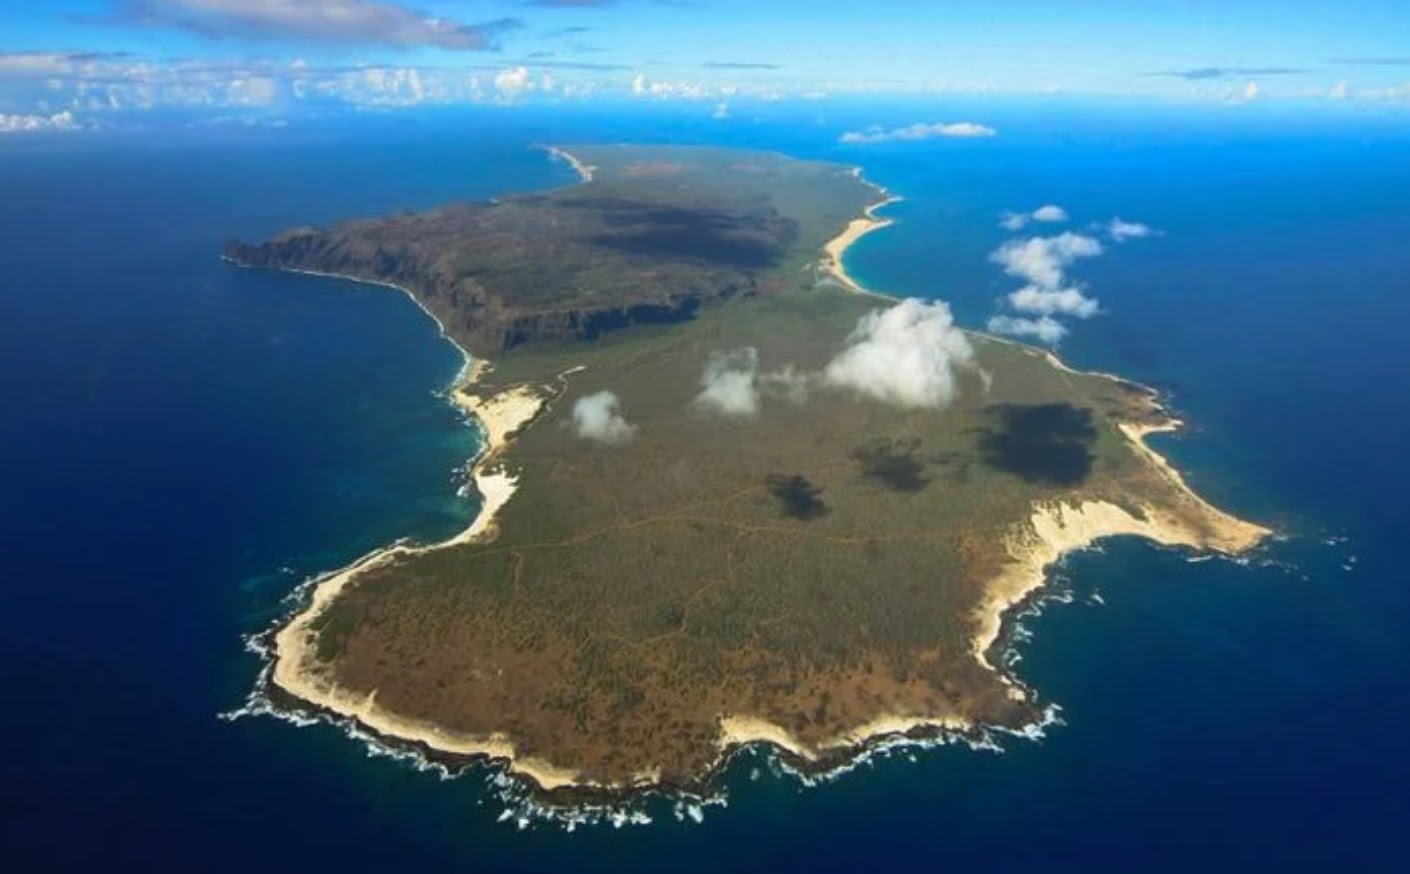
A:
[662, 234]
[817, 564]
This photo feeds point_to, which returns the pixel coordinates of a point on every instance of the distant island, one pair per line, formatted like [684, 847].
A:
[729, 495]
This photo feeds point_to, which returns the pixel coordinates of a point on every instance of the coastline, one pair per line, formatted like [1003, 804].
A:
[1051, 532]
[1061, 527]
[740, 731]
[292, 663]
[585, 171]
[835, 249]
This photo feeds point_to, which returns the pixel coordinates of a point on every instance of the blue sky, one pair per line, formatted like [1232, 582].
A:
[95, 58]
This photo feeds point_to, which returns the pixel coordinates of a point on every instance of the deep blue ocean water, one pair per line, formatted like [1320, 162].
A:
[183, 442]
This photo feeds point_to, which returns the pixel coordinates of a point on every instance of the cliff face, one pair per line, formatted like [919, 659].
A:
[546, 269]
[471, 315]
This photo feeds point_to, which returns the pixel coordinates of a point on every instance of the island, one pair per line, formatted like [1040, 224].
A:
[730, 496]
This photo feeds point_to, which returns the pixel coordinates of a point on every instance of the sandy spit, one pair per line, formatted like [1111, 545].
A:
[585, 171]
[857, 228]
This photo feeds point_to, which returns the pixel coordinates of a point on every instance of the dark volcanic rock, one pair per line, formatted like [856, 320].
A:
[546, 268]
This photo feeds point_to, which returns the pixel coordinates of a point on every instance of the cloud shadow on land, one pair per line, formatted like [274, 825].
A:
[1040, 443]
[727, 237]
[892, 464]
[798, 498]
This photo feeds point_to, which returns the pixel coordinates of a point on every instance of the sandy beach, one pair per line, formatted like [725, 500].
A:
[857, 228]
[1052, 531]
[585, 171]
[1061, 527]
[737, 731]
[295, 668]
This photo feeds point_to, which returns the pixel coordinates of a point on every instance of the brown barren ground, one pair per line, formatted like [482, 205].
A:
[824, 572]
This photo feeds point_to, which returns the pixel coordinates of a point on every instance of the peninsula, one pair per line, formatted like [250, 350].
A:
[726, 498]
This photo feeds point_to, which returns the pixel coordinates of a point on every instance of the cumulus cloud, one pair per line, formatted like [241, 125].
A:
[1042, 261]
[42, 83]
[721, 111]
[908, 355]
[10, 124]
[377, 22]
[1045, 329]
[252, 91]
[513, 82]
[1017, 221]
[1052, 301]
[877, 134]
[681, 89]
[733, 386]
[729, 386]
[1121, 231]
[598, 417]
[787, 383]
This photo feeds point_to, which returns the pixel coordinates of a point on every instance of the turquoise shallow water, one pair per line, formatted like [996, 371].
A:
[184, 442]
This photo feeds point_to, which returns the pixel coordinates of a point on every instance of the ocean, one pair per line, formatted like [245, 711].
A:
[184, 442]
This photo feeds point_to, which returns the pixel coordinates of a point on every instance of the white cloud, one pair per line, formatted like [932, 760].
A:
[1043, 260]
[1121, 231]
[513, 82]
[787, 383]
[1053, 301]
[677, 90]
[1251, 90]
[906, 355]
[10, 124]
[733, 386]
[598, 417]
[1340, 91]
[1393, 92]
[876, 134]
[1016, 221]
[1045, 328]
[729, 386]
[721, 111]
[253, 91]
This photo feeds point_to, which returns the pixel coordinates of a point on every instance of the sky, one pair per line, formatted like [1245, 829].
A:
[85, 63]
